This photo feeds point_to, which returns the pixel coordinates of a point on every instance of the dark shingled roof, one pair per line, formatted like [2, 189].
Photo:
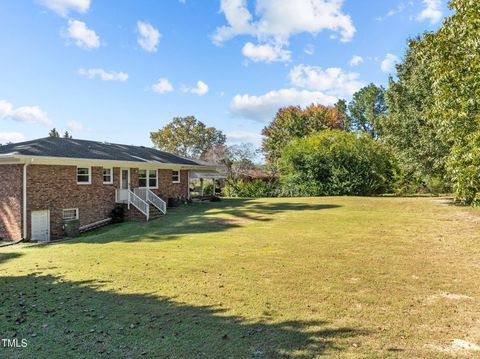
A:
[72, 148]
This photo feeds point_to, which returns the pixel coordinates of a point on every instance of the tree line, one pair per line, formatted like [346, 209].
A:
[420, 134]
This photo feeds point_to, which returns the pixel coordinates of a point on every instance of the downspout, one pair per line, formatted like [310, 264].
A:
[189, 196]
[25, 229]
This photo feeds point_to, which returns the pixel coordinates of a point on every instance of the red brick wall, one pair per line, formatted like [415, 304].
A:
[167, 189]
[55, 188]
[11, 197]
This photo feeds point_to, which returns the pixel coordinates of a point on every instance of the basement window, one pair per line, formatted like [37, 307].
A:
[70, 214]
[83, 175]
[175, 176]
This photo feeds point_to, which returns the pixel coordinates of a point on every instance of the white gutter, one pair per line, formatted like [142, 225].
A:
[67, 161]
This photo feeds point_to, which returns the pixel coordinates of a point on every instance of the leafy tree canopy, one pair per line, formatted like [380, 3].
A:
[335, 162]
[453, 57]
[186, 136]
[294, 122]
[53, 133]
[408, 130]
[366, 109]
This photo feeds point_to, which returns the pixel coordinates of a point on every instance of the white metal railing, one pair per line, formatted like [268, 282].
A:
[129, 197]
[139, 203]
[150, 197]
[141, 192]
[157, 201]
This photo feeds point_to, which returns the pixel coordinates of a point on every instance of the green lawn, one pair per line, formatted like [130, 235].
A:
[300, 278]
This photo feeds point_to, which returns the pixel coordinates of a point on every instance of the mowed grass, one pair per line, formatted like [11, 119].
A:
[343, 277]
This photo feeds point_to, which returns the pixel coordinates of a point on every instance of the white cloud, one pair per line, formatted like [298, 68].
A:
[27, 114]
[356, 60]
[266, 53]
[162, 86]
[75, 126]
[309, 49]
[332, 81]
[397, 10]
[388, 64]
[276, 20]
[432, 11]
[263, 108]
[201, 88]
[6, 137]
[279, 19]
[149, 37]
[244, 137]
[84, 37]
[63, 7]
[104, 75]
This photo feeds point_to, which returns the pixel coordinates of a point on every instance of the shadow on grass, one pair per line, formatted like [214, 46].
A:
[80, 320]
[205, 217]
[4, 257]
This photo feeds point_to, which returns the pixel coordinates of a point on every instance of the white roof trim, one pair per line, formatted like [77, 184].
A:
[206, 174]
[67, 161]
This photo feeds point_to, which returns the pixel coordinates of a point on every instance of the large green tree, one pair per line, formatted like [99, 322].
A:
[407, 129]
[335, 162]
[453, 57]
[186, 136]
[295, 122]
[367, 108]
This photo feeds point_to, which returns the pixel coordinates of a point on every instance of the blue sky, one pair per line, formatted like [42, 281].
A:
[114, 70]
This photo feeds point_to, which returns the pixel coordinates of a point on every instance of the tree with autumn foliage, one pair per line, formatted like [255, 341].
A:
[295, 122]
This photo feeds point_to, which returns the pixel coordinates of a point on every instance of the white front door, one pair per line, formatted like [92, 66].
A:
[41, 225]
[125, 178]
[124, 184]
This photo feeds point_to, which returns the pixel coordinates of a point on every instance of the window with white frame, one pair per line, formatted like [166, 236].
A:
[175, 176]
[147, 177]
[152, 179]
[83, 175]
[108, 175]
[70, 214]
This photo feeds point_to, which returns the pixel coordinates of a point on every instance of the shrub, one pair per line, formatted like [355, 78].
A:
[252, 189]
[334, 162]
[117, 214]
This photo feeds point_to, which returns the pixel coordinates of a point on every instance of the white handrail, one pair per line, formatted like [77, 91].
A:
[150, 197]
[139, 203]
[157, 201]
[141, 192]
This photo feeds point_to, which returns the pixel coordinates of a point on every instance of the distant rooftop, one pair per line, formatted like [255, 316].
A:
[72, 148]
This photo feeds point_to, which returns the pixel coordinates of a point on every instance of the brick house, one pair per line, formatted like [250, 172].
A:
[47, 181]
